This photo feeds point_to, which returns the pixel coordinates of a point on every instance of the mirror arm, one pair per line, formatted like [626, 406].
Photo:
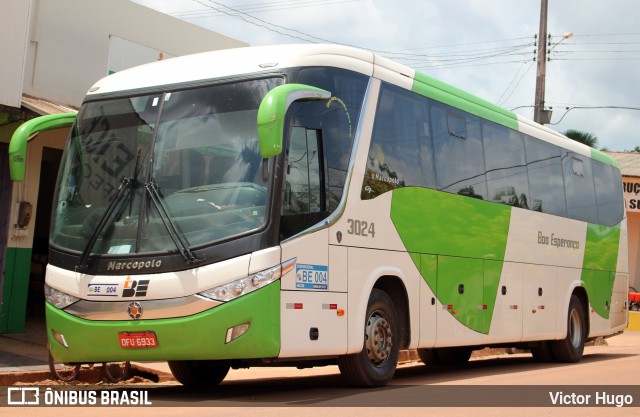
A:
[272, 112]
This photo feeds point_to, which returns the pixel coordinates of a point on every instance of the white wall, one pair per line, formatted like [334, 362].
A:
[69, 43]
[14, 30]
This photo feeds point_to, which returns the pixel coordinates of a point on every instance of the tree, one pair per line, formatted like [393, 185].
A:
[582, 137]
[636, 149]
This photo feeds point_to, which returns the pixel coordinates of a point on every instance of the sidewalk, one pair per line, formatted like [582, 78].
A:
[21, 352]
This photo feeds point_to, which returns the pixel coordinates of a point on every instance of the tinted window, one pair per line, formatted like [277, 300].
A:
[420, 142]
[546, 185]
[608, 193]
[458, 153]
[401, 152]
[578, 185]
[507, 181]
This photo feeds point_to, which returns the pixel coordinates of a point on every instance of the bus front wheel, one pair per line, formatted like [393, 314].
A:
[198, 373]
[570, 348]
[376, 364]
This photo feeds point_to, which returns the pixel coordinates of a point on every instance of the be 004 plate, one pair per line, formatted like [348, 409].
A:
[140, 340]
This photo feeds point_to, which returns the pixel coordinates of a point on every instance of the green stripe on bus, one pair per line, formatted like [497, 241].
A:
[603, 157]
[447, 94]
[599, 266]
[601, 252]
[462, 241]
[430, 221]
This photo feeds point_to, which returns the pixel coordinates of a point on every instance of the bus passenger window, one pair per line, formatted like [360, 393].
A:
[579, 188]
[507, 181]
[401, 151]
[545, 177]
[458, 152]
[610, 199]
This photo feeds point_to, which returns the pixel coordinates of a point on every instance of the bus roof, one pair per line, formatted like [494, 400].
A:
[230, 62]
[199, 68]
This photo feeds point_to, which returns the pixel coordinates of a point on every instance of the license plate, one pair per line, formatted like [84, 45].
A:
[140, 340]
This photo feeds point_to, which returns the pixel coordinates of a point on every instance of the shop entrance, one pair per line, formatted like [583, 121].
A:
[39, 256]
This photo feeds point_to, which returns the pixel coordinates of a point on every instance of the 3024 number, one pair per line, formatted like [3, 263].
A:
[361, 228]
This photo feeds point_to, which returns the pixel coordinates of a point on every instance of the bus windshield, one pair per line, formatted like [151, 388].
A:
[140, 172]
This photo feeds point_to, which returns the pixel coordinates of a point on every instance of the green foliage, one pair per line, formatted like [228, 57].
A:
[588, 139]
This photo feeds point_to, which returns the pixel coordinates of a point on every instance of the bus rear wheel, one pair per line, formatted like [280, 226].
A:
[376, 364]
[198, 373]
[571, 348]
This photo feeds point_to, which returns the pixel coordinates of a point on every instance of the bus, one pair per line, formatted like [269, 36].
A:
[310, 205]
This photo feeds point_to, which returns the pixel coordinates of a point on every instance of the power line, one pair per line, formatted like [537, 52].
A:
[500, 101]
[569, 108]
[248, 21]
[411, 57]
[463, 65]
[591, 108]
[239, 14]
[606, 34]
[259, 8]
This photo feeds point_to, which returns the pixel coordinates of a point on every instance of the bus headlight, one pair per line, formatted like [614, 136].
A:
[58, 298]
[243, 286]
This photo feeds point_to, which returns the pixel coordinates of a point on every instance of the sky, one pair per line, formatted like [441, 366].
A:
[486, 47]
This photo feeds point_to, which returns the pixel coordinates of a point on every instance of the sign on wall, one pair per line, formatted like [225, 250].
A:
[631, 193]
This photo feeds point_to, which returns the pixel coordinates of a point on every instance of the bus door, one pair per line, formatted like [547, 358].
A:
[313, 299]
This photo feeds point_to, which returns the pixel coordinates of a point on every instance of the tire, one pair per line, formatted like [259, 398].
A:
[571, 348]
[542, 353]
[376, 364]
[445, 356]
[453, 356]
[198, 373]
[429, 356]
[66, 372]
[116, 371]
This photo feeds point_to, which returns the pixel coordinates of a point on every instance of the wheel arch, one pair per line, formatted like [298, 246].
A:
[396, 290]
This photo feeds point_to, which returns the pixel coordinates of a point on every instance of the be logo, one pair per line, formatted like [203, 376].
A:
[133, 288]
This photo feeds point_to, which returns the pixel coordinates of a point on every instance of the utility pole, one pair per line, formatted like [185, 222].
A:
[541, 115]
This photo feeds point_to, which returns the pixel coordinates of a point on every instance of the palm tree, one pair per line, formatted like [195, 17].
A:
[582, 137]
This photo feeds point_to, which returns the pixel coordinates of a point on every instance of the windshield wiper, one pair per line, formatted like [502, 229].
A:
[169, 224]
[124, 186]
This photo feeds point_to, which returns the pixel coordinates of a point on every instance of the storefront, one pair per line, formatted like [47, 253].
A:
[629, 163]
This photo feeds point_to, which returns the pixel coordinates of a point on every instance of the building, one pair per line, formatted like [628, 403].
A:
[52, 52]
[629, 163]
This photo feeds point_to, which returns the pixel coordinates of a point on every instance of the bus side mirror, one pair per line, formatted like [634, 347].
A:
[29, 131]
[273, 109]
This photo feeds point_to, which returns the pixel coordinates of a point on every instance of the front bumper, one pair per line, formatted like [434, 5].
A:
[197, 337]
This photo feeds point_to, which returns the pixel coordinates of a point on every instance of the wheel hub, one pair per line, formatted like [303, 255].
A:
[378, 338]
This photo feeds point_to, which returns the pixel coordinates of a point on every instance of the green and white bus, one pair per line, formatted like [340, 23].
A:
[319, 204]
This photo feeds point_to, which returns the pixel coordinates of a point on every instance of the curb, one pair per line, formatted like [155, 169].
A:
[633, 322]
[87, 376]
